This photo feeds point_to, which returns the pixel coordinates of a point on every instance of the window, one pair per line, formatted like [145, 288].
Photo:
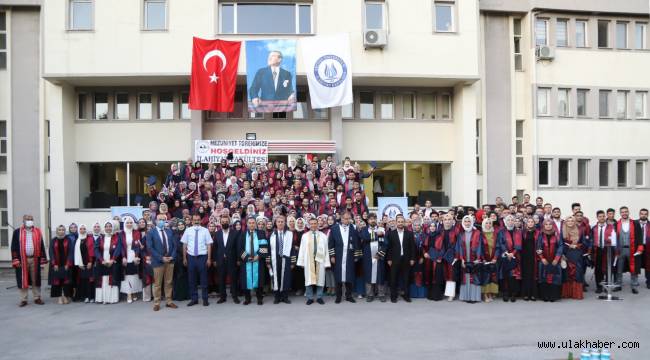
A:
[581, 100]
[621, 105]
[166, 105]
[301, 105]
[621, 173]
[640, 173]
[3, 40]
[4, 218]
[544, 176]
[253, 18]
[621, 35]
[185, 108]
[387, 106]
[408, 106]
[80, 15]
[581, 33]
[445, 109]
[641, 104]
[320, 113]
[583, 172]
[541, 32]
[375, 15]
[155, 14]
[366, 105]
[564, 167]
[519, 147]
[561, 33]
[429, 106]
[478, 146]
[444, 16]
[101, 106]
[563, 102]
[516, 25]
[122, 106]
[81, 107]
[347, 111]
[603, 33]
[603, 173]
[640, 35]
[144, 107]
[543, 101]
[603, 103]
[3, 145]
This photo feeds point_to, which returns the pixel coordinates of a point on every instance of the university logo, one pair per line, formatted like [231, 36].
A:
[330, 70]
[392, 210]
[203, 147]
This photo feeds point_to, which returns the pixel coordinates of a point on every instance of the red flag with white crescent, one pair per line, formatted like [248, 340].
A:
[214, 74]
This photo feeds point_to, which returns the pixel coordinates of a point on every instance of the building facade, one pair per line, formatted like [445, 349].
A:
[459, 105]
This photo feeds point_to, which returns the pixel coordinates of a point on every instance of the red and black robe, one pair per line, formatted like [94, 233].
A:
[19, 257]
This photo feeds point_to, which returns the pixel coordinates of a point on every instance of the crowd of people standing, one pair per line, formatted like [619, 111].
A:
[279, 229]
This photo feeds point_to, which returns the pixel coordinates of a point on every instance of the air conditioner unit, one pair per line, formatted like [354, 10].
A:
[545, 53]
[375, 38]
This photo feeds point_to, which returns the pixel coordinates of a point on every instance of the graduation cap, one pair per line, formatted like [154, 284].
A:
[151, 180]
[230, 156]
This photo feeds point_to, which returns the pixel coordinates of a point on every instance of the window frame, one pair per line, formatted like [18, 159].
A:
[549, 174]
[180, 106]
[519, 156]
[546, 31]
[608, 162]
[4, 51]
[158, 103]
[626, 110]
[626, 169]
[115, 105]
[413, 103]
[608, 35]
[587, 163]
[94, 106]
[568, 173]
[517, 40]
[586, 102]
[70, 16]
[144, 26]
[138, 115]
[644, 105]
[644, 37]
[5, 154]
[384, 17]
[444, 3]
[644, 165]
[547, 90]
[567, 113]
[626, 45]
[296, 5]
[566, 21]
[4, 227]
[585, 32]
[608, 114]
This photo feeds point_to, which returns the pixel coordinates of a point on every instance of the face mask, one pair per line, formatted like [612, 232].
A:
[29, 223]
[160, 224]
[225, 226]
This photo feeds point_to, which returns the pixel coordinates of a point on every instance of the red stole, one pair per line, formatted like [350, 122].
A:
[549, 247]
[66, 251]
[633, 248]
[474, 245]
[37, 241]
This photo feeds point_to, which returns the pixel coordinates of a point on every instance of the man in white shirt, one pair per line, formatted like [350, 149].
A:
[197, 256]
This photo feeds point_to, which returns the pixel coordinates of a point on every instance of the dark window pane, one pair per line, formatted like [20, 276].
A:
[621, 173]
[3, 163]
[563, 173]
[3, 60]
[603, 173]
[3, 199]
[543, 172]
[603, 33]
[3, 21]
[81, 112]
[4, 238]
[3, 146]
[3, 128]
[101, 106]
[3, 41]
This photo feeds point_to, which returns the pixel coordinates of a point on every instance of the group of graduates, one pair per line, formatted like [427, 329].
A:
[307, 230]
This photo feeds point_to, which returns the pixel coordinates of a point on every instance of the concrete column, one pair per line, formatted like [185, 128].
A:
[336, 131]
[196, 127]
[27, 164]
[463, 172]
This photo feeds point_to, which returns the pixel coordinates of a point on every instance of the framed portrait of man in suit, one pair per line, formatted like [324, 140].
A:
[271, 75]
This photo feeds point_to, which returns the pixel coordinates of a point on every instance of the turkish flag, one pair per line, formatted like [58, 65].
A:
[214, 74]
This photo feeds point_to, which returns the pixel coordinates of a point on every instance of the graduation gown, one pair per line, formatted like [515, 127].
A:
[418, 269]
[440, 269]
[344, 252]
[19, 257]
[314, 261]
[252, 272]
[115, 252]
[489, 271]
[551, 248]
[374, 250]
[61, 256]
[281, 259]
[475, 254]
[509, 242]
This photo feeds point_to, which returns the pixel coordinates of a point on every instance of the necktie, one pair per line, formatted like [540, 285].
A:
[602, 241]
[165, 247]
[280, 242]
[372, 235]
[315, 244]
[251, 242]
[275, 77]
[196, 242]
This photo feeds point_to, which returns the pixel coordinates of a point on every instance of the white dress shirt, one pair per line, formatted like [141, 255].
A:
[204, 239]
[400, 234]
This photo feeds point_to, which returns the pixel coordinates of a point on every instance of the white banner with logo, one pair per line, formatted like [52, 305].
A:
[328, 66]
[213, 151]
[391, 206]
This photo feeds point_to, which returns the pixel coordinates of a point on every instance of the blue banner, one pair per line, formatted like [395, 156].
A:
[271, 75]
[391, 206]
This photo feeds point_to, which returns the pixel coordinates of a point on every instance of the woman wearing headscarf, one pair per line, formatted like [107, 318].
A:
[449, 240]
[468, 252]
[145, 269]
[434, 267]
[131, 247]
[298, 228]
[61, 263]
[489, 280]
[509, 246]
[549, 250]
[573, 244]
[107, 268]
[528, 259]
[181, 286]
[84, 253]
[73, 234]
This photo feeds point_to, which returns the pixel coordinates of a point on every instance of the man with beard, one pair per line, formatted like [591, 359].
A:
[225, 260]
[281, 260]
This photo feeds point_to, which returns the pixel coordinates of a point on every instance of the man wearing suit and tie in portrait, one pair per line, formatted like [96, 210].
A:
[272, 86]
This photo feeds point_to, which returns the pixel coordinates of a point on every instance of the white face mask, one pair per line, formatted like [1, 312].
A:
[29, 223]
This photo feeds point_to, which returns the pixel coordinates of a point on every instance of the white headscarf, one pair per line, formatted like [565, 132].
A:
[78, 259]
[471, 225]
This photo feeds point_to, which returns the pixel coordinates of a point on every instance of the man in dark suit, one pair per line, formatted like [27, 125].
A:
[344, 250]
[400, 256]
[272, 83]
[162, 247]
[225, 259]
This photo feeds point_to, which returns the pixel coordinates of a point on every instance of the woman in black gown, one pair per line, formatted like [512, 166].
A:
[529, 261]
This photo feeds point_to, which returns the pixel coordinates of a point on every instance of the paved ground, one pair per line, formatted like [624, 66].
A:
[422, 329]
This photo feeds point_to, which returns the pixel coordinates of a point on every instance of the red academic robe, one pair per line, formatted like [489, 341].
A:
[633, 246]
[68, 256]
[475, 243]
[19, 257]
